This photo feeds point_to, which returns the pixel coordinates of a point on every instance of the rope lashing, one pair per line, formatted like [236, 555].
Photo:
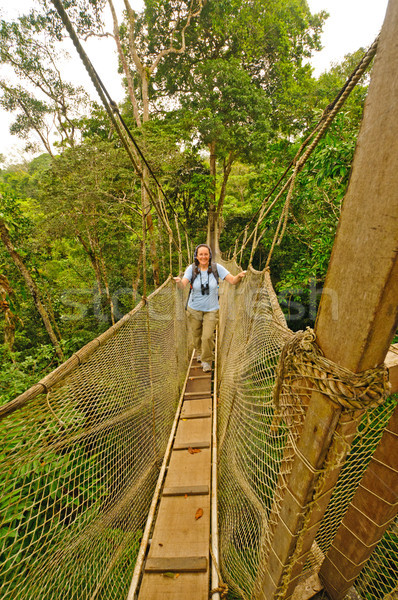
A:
[221, 589]
[302, 359]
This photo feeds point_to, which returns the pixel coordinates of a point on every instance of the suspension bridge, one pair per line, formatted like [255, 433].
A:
[128, 473]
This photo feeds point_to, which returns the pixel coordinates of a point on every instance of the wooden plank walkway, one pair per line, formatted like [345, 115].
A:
[177, 565]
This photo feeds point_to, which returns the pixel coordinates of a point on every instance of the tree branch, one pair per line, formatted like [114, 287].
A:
[126, 70]
[171, 49]
[131, 17]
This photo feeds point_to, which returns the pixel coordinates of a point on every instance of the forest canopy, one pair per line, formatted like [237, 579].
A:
[219, 97]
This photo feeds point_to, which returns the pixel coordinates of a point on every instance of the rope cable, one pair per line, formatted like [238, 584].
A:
[326, 118]
[143, 221]
[188, 247]
[264, 213]
[111, 107]
[283, 218]
[130, 135]
[170, 254]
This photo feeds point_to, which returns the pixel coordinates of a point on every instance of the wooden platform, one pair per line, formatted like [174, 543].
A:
[177, 565]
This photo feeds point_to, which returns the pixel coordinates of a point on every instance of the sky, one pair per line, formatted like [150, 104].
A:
[351, 24]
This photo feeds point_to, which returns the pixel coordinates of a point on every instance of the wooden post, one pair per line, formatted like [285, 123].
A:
[357, 317]
[377, 484]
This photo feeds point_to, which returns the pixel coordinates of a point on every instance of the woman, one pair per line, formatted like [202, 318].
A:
[203, 301]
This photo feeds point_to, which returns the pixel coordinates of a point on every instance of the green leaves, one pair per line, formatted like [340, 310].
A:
[10, 210]
[229, 108]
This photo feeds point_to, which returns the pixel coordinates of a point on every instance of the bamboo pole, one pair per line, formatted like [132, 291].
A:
[214, 491]
[357, 316]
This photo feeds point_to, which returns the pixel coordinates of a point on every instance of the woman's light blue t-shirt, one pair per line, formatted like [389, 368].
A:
[197, 300]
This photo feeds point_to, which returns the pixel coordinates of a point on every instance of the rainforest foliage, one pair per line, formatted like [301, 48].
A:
[219, 97]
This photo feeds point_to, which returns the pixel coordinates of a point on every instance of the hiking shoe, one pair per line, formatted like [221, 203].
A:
[198, 358]
[206, 367]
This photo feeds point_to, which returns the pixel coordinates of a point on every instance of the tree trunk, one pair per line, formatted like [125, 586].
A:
[227, 171]
[33, 289]
[212, 219]
[93, 260]
[162, 253]
[212, 230]
[105, 278]
[136, 279]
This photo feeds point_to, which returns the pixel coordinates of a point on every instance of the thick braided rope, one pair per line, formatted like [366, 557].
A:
[302, 358]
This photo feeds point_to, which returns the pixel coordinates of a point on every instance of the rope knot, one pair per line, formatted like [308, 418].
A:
[221, 589]
[303, 365]
[306, 340]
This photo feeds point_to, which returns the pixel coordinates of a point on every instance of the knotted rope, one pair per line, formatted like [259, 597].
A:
[302, 358]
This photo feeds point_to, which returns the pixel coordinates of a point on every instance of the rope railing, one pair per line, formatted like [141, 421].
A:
[81, 450]
[259, 435]
[80, 457]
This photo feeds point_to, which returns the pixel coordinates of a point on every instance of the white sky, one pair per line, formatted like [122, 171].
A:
[352, 24]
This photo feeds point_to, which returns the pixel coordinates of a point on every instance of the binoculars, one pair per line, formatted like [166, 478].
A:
[204, 288]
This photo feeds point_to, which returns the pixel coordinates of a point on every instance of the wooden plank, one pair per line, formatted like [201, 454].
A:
[196, 406]
[177, 531]
[198, 384]
[180, 540]
[176, 564]
[194, 446]
[201, 415]
[189, 469]
[186, 490]
[158, 586]
[191, 432]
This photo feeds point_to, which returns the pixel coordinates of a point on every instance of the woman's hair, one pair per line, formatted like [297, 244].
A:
[195, 254]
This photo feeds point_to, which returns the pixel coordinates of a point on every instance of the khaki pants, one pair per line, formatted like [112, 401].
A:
[203, 326]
